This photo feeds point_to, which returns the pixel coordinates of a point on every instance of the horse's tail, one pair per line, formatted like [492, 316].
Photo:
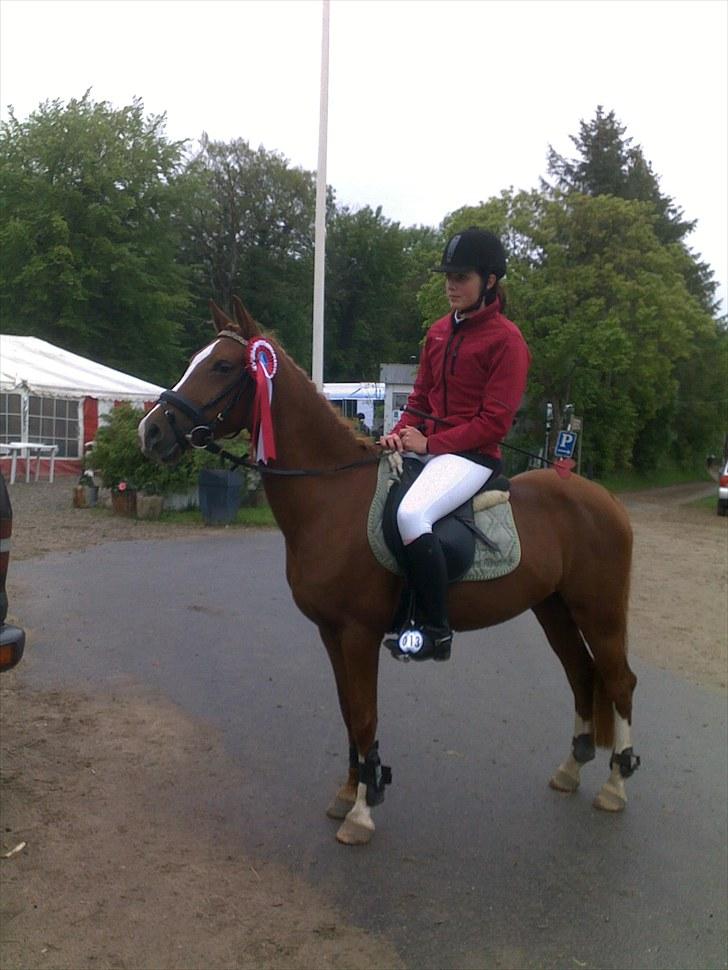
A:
[603, 714]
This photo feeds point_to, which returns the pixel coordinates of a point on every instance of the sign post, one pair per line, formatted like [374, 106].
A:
[577, 425]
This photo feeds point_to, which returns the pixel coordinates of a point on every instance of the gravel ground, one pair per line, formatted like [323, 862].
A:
[44, 520]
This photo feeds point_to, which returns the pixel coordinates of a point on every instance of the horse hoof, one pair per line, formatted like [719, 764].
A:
[340, 807]
[354, 833]
[563, 782]
[609, 800]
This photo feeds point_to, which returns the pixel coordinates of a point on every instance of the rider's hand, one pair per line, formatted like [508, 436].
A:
[414, 440]
[391, 441]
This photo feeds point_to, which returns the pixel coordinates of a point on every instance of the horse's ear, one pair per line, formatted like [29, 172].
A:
[220, 319]
[248, 327]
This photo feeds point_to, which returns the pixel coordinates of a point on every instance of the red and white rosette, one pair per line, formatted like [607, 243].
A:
[263, 365]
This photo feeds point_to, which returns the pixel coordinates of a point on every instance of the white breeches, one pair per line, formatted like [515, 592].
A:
[445, 482]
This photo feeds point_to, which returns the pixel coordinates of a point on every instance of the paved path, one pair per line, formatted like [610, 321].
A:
[476, 862]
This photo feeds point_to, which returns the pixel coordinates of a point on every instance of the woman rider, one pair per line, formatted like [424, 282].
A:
[472, 374]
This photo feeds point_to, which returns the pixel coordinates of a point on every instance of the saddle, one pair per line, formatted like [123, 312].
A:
[457, 532]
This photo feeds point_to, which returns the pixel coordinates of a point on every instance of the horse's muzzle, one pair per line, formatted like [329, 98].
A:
[156, 438]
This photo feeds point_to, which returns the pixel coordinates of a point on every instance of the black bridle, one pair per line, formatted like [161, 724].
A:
[202, 432]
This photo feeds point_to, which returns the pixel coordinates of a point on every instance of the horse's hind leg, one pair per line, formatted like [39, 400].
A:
[605, 630]
[568, 645]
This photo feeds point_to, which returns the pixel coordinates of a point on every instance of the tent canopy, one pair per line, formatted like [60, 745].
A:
[28, 363]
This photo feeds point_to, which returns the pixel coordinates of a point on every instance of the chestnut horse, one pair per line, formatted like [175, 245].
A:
[574, 571]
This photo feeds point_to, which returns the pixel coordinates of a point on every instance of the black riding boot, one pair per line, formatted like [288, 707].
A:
[428, 574]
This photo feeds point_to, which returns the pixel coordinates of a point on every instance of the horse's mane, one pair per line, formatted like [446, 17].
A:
[335, 425]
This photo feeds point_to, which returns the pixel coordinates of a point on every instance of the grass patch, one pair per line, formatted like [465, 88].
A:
[660, 478]
[248, 515]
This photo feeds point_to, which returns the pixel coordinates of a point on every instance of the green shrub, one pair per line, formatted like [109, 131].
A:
[117, 457]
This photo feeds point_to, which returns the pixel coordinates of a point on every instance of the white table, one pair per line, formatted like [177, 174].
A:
[29, 450]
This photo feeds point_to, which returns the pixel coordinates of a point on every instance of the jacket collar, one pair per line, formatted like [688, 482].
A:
[482, 316]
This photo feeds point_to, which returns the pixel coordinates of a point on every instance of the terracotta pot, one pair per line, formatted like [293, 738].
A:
[124, 503]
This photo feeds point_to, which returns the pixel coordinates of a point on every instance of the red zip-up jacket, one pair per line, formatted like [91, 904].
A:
[473, 374]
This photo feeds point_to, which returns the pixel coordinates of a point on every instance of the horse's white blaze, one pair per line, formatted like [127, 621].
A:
[141, 430]
[197, 359]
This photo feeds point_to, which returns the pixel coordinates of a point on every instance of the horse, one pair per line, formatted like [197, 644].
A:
[574, 572]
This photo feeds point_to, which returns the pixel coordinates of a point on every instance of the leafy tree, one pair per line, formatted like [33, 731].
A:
[250, 232]
[90, 233]
[608, 163]
[374, 270]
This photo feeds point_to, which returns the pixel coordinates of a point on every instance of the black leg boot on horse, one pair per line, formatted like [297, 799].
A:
[428, 635]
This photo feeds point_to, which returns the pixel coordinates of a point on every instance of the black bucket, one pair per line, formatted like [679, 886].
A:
[219, 492]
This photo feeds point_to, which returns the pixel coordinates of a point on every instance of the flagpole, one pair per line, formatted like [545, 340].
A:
[319, 259]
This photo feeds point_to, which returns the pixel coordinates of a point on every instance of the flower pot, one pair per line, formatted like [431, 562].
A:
[85, 496]
[149, 506]
[124, 503]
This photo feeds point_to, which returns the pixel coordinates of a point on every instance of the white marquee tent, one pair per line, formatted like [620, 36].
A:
[51, 396]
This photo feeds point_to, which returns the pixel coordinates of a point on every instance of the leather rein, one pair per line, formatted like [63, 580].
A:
[202, 434]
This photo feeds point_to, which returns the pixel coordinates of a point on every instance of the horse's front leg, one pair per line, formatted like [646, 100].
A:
[360, 651]
[345, 797]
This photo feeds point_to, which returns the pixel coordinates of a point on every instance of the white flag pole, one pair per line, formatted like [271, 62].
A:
[319, 259]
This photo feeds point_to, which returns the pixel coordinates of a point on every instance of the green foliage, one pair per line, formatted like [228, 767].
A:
[116, 457]
[89, 233]
[250, 232]
[374, 269]
[609, 164]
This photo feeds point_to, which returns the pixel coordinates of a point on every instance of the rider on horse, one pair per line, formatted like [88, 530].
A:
[472, 376]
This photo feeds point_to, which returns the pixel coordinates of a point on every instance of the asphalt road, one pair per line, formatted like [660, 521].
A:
[475, 862]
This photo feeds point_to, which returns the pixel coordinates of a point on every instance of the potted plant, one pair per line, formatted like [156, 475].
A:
[124, 499]
[86, 493]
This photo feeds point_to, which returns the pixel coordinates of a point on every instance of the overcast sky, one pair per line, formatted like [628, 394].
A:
[434, 104]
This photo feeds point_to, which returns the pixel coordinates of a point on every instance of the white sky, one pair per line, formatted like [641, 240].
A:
[434, 104]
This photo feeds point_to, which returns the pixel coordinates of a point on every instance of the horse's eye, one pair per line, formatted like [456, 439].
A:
[222, 366]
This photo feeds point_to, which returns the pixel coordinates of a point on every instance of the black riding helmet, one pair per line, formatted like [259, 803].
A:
[475, 249]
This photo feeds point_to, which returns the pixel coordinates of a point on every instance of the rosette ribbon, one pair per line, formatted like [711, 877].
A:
[263, 364]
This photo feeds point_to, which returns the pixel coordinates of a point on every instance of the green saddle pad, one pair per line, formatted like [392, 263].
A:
[497, 523]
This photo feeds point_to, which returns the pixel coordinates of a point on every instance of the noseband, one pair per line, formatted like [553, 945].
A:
[202, 432]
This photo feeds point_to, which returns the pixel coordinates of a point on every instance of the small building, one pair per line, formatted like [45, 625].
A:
[398, 381]
[51, 396]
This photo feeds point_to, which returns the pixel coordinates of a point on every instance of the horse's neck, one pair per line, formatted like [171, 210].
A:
[308, 435]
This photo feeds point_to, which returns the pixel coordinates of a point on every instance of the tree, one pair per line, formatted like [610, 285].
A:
[90, 233]
[250, 232]
[374, 270]
[609, 164]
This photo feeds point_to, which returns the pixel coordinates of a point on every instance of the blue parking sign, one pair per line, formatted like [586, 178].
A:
[565, 444]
